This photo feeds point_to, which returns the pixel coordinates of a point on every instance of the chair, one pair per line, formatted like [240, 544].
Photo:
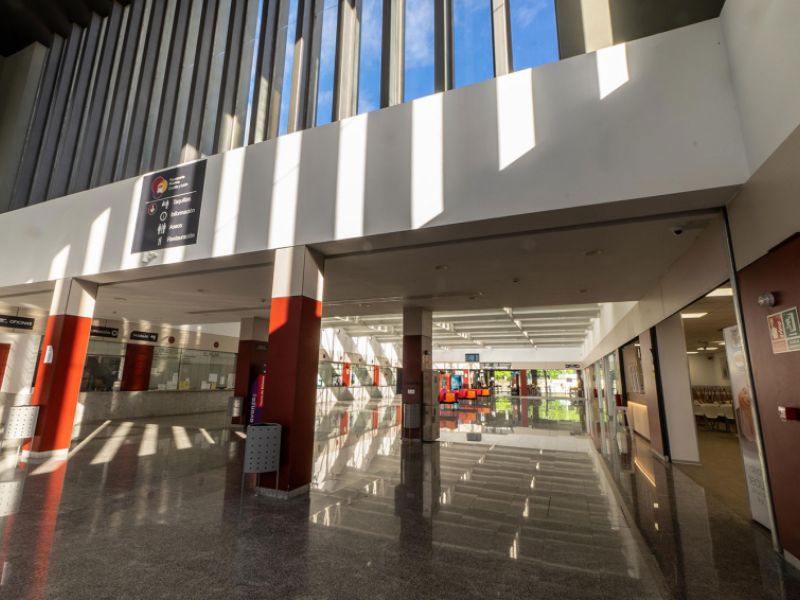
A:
[711, 413]
[699, 415]
[727, 413]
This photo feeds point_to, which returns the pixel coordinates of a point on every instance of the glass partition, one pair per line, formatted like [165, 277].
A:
[165, 368]
[205, 370]
[102, 370]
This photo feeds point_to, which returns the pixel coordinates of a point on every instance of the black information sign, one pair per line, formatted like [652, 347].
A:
[106, 332]
[16, 322]
[472, 357]
[144, 336]
[169, 212]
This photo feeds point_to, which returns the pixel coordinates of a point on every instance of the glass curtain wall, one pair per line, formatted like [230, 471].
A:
[369, 63]
[419, 49]
[327, 62]
[534, 38]
[286, 90]
[472, 41]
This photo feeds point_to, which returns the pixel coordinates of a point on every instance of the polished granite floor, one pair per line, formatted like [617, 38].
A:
[155, 509]
[703, 546]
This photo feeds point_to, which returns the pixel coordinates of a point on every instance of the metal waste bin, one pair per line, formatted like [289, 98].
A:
[262, 450]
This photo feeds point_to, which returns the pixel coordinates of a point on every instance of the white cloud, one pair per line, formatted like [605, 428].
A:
[419, 33]
[525, 13]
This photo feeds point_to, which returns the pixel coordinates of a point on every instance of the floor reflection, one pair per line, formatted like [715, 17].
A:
[703, 547]
[502, 413]
[155, 508]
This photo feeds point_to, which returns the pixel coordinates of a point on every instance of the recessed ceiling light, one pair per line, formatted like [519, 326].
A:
[719, 292]
[691, 352]
[711, 348]
[693, 315]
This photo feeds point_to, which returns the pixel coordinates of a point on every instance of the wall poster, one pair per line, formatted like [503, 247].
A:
[746, 425]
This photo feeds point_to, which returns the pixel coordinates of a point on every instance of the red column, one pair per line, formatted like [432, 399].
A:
[136, 370]
[292, 362]
[58, 379]
[523, 382]
[251, 359]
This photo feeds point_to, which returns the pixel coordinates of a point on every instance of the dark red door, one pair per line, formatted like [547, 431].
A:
[5, 349]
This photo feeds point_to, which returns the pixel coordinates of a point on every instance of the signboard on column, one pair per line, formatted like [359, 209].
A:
[169, 208]
[746, 425]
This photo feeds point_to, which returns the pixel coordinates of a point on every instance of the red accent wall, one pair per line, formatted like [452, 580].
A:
[5, 350]
[775, 377]
[291, 386]
[58, 384]
[136, 370]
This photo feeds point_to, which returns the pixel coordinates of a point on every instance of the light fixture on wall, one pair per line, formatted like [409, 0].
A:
[720, 292]
[767, 300]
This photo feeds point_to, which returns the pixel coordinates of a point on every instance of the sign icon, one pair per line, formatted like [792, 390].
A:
[158, 187]
[170, 208]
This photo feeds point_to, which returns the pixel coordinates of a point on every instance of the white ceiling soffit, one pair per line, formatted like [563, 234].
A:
[545, 284]
[477, 329]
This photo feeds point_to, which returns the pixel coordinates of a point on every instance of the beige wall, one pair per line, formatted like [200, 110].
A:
[766, 210]
[693, 275]
[587, 25]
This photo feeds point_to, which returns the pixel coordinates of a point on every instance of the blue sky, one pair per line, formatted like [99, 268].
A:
[533, 34]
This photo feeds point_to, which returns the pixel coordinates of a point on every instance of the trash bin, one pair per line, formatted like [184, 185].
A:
[262, 450]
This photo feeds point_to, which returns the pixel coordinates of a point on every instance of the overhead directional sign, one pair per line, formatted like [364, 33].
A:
[169, 211]
[105, 332]
[144, 336]
[16, 322]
